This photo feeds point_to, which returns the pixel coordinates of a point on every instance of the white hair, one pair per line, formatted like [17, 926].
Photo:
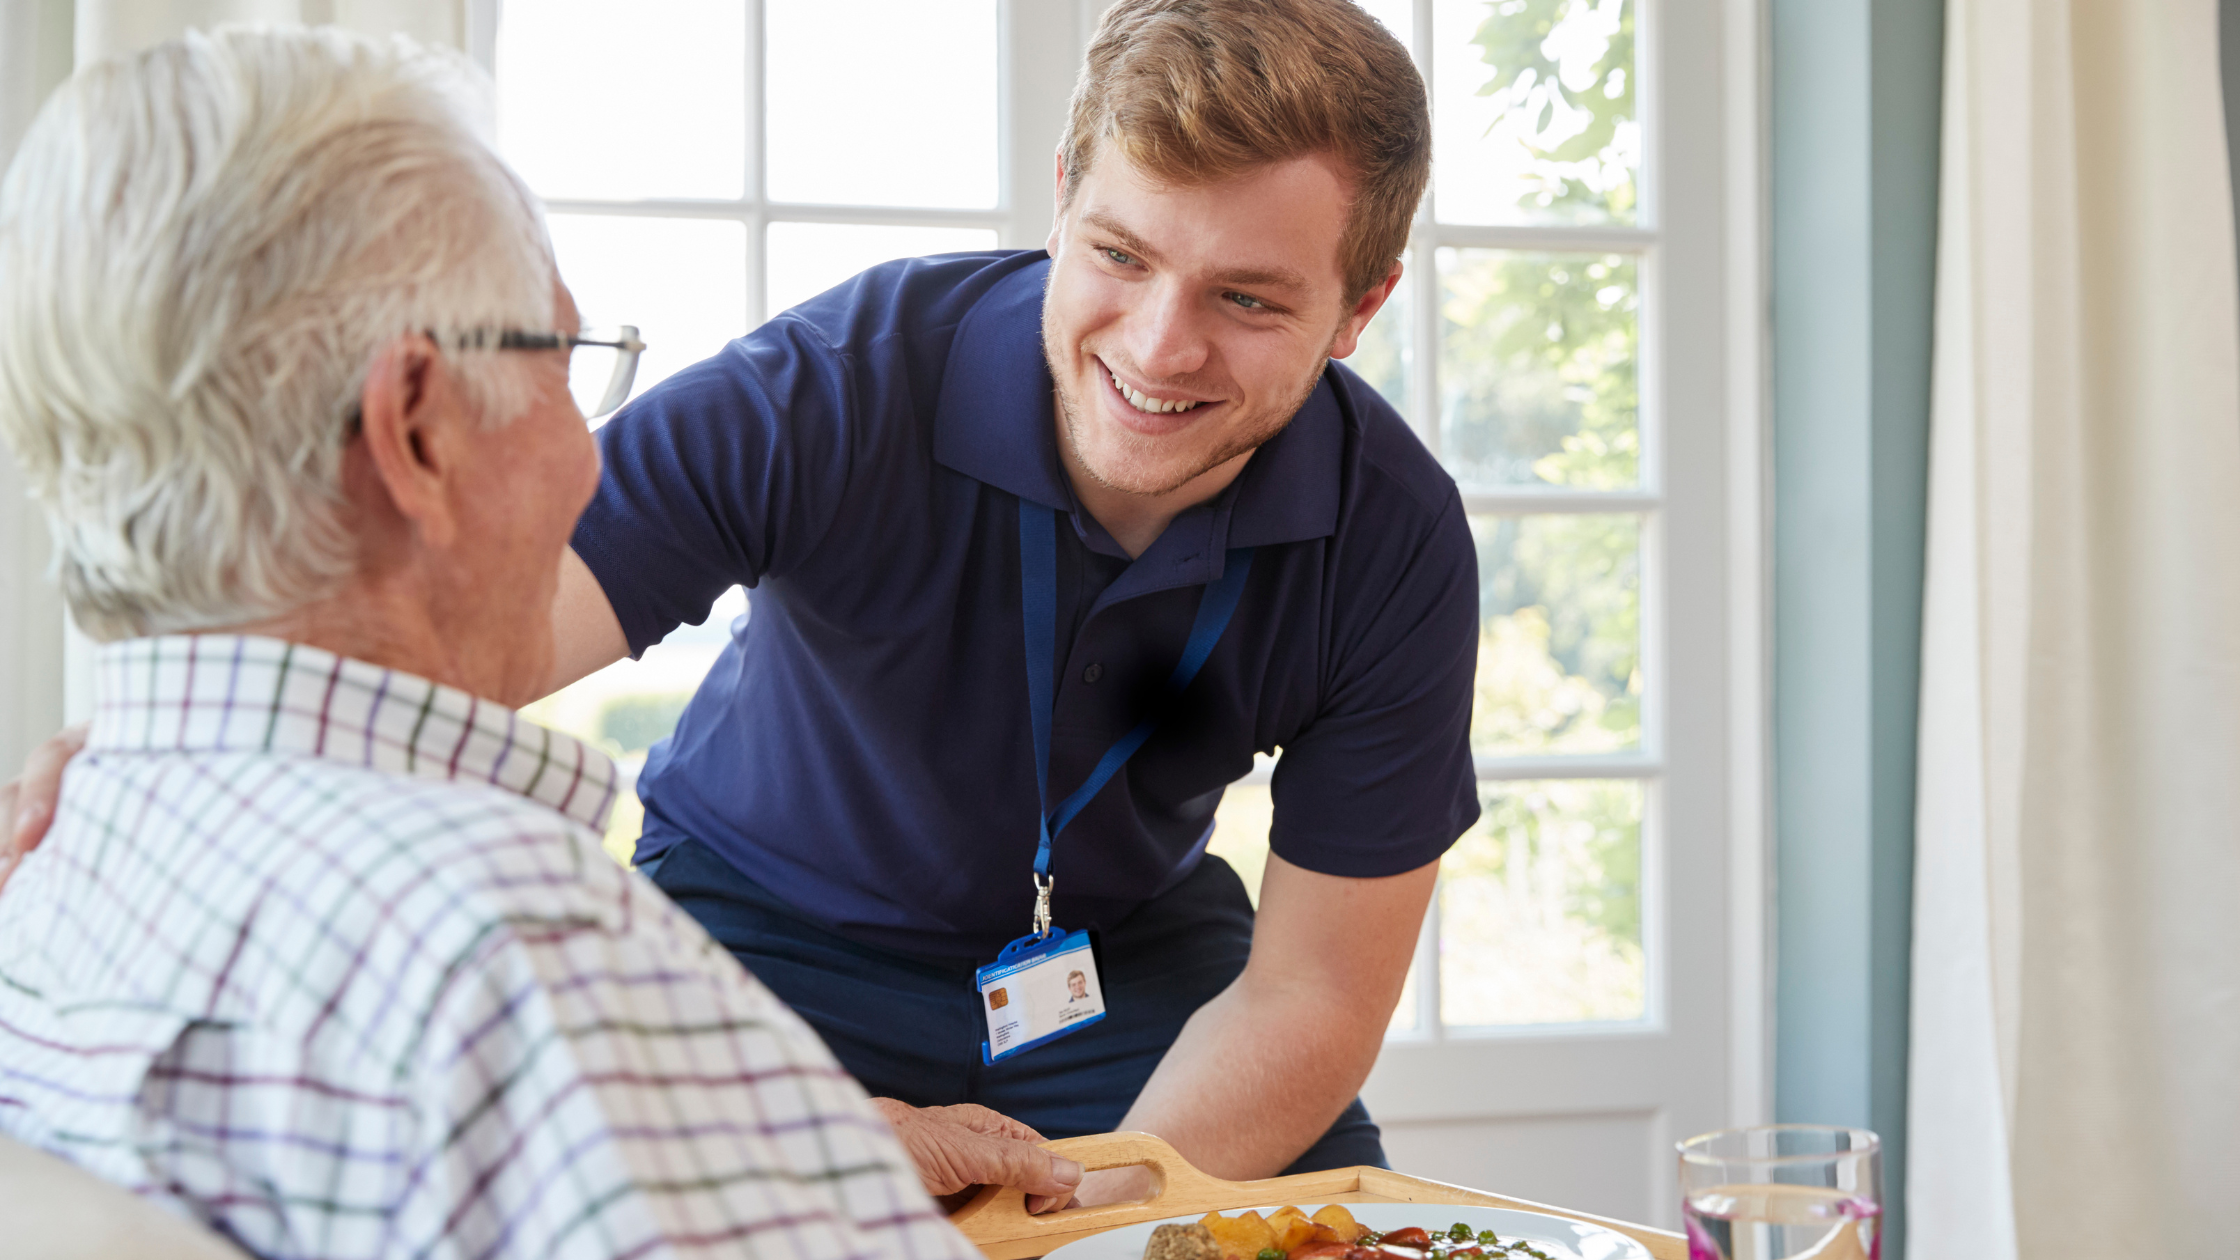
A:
[202, 248]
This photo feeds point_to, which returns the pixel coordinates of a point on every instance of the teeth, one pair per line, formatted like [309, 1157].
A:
[1145, 402]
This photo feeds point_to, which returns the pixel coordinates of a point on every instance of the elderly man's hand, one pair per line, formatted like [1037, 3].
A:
[958, 1148]
[27, 802]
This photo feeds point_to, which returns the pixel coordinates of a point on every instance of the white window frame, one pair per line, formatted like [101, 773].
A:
[1703, 1061]
[1040, 45]
[1645, 242]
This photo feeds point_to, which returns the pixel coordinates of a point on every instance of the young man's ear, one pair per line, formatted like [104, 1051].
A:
[1058, 202]
[406, 411]
[1349, 330]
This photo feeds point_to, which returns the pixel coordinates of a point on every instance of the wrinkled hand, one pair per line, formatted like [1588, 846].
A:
[957, 1148]
[27, 802]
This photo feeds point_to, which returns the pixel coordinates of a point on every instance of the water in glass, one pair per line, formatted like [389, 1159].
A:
[1744, 1222]
[1783, 1192]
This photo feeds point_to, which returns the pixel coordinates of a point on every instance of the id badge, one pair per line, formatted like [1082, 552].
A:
[1038, 990]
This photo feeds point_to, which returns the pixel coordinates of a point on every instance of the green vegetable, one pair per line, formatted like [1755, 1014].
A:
[1461, 1232]
[1486, 1236]
[1271, 1253]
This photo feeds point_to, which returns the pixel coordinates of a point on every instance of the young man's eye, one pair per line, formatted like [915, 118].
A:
[1247, 301]
[1117, 257]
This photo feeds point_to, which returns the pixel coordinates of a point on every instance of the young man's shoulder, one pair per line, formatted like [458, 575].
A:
[1394, 471]
[908, 297]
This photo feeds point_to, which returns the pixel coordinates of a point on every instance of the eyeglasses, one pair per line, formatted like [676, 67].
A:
[602, 362]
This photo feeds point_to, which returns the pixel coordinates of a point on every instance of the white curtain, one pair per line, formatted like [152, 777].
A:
[2075, 1078]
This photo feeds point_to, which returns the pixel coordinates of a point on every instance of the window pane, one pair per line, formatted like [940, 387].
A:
[605, 103]
[1387, 350]
[683, 282]
[1540, 907]
[805, 259]
[882, 102]
[629, 706]
[1537, 375]
[1533, 111]
[1240, 833]
[1559, 646]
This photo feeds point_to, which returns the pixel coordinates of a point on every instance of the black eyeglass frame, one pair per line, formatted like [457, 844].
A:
[625, 342]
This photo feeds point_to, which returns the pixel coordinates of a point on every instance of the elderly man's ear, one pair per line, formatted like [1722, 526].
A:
[413, 434]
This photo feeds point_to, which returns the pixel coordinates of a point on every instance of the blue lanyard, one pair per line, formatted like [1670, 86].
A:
[1038, 597]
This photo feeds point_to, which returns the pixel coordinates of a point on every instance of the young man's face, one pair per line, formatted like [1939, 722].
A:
[1185, 326]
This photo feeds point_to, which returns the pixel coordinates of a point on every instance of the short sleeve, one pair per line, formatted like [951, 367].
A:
[725, 473]
[1381, 781]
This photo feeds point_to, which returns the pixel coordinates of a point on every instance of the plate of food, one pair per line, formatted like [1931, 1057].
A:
[1359, 1231]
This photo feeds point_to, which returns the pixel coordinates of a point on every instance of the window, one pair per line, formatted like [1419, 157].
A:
[1513, 345]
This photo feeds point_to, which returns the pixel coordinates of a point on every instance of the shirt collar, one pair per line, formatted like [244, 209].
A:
[239, 693]
[994, 422]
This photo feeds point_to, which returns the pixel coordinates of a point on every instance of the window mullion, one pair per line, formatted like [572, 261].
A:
[758, 183]
[1427, 970]
[1423, 334]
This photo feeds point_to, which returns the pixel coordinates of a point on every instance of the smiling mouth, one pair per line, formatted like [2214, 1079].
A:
[1145, 402]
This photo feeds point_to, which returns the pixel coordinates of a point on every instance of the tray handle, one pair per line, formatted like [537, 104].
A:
[998, 1214]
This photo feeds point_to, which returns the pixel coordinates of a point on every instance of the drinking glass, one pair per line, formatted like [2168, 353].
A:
[1783, 1192]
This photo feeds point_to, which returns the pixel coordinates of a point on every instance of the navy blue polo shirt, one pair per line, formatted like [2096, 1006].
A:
[862, 747]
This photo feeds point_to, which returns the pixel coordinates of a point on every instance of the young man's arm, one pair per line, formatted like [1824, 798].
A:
[586, 635]
[1260, 1072]
[1367, 798]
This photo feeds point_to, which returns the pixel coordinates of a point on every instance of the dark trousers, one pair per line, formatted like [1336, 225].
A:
[910, 1027]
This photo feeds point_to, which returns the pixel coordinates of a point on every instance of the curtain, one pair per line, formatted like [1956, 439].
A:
[2075, 1070]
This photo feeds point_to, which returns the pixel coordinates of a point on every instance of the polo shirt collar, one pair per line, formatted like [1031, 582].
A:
[995, 422]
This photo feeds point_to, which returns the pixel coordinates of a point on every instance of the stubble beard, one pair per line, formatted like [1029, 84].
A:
[1251, 438]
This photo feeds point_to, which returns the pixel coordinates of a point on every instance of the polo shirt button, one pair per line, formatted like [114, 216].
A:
[1093, 673]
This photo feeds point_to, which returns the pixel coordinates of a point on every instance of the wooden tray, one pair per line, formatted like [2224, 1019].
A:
[996, 1219]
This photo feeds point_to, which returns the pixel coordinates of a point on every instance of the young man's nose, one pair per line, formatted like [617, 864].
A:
[1168, 336]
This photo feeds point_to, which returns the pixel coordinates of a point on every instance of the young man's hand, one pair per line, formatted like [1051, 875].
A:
[956, 1149]
[27, 802]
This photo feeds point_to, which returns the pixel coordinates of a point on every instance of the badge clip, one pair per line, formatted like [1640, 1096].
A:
[1040, 987]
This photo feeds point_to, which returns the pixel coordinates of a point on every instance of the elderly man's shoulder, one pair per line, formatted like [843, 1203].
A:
[451, 857]
[316, 881]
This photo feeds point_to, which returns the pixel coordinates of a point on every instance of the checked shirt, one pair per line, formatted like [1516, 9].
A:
[328, 957]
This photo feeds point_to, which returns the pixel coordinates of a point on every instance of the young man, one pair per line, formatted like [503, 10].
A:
[983, 503]
[322, 950]
[1004, 514]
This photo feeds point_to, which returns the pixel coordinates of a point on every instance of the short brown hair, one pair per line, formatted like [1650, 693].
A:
[1198, 91]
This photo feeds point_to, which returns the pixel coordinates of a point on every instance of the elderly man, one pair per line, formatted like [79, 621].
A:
[322, 949]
